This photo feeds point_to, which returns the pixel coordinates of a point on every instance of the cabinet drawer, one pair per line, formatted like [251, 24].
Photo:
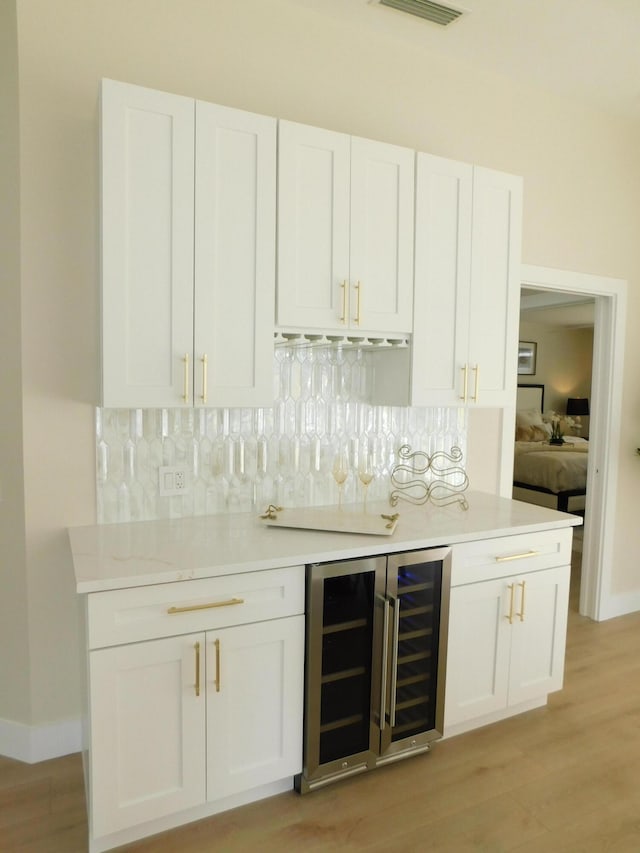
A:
[163, 610]
[508, 555]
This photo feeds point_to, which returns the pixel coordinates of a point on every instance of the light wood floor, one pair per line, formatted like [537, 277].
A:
[561, 778]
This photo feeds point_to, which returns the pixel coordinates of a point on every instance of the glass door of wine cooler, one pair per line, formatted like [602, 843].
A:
[344, 634]
[417, 592]
[375, 664]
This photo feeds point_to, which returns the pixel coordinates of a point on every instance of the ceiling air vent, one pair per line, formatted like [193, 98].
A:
[434, 12]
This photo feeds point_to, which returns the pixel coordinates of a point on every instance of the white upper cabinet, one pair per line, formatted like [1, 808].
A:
[382, 225]
[345, 232]
[444, 198]
[466, 299]
[494, 304]
[188, 251]
[313, 226]
[235, 229]
[147, 194]
[189, 193]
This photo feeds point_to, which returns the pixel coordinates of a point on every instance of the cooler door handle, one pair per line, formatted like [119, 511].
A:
[394, 659]
[385, 661]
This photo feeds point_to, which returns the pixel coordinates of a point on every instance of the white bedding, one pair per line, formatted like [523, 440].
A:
[558, 468]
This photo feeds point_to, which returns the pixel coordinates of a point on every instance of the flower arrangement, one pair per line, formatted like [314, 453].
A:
[557, 436]
[558, 423]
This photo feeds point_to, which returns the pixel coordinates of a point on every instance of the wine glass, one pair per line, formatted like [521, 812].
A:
[340, 473]
[365, 474]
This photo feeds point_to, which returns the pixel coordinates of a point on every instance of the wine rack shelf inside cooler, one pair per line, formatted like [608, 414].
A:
[419, 588]
[345, 686]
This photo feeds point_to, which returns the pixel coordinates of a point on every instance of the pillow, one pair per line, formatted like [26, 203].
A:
[529, 417]
[541, 432]
[523, 433]
[533, 433]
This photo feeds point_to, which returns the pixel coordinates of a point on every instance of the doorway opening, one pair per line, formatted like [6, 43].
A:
[555, 366]
[609, 297]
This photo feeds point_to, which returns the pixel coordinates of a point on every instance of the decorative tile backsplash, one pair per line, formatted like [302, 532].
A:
[244, 459]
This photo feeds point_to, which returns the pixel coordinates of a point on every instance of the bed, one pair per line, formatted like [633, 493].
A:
[554, 475]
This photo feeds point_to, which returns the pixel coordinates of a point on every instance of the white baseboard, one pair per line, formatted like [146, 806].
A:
[39, 743]
[619, 605]
[493, 717]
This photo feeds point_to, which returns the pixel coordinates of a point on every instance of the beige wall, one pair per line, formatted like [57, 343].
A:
[582, 185]
[564, 362]
[14, 637]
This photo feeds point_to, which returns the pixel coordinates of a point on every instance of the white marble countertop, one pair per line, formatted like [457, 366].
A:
[116, 556]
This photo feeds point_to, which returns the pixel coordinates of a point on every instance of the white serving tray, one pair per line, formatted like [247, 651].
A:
[333, 518]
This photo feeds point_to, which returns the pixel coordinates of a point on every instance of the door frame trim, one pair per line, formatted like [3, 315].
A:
[610, 296]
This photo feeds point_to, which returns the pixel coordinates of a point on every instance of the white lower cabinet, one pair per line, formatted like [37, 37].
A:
[182, 722]
[195, 687]
[148, 747]
[507, 633]
[254, 711]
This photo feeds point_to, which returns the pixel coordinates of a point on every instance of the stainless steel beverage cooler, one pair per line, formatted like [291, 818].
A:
[376, 658]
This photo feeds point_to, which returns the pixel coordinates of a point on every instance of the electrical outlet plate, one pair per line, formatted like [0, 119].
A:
[172, 480]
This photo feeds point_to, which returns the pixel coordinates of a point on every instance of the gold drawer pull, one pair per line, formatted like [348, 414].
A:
[517, 556]
[191, 607]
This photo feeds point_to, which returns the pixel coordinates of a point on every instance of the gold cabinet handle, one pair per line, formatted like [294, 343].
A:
[476, 395]
[512, 589]
[465, 371]
[185, 360]
[508, 557]
[192, 607]
[197, 648]
[343, 318]
[521, 614]
[358, 287]
[204, 361]
[217, 681]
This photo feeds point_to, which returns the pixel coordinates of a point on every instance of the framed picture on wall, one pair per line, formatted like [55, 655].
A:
[527, 352]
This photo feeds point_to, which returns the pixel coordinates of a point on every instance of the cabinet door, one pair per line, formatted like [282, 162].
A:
[147, 163]
[539, 634]
[147, 731]
[478, 651]
[495, 287]
[234, 257]
[313, 227]
[382, 226]
[442, 277]
[254, 704]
